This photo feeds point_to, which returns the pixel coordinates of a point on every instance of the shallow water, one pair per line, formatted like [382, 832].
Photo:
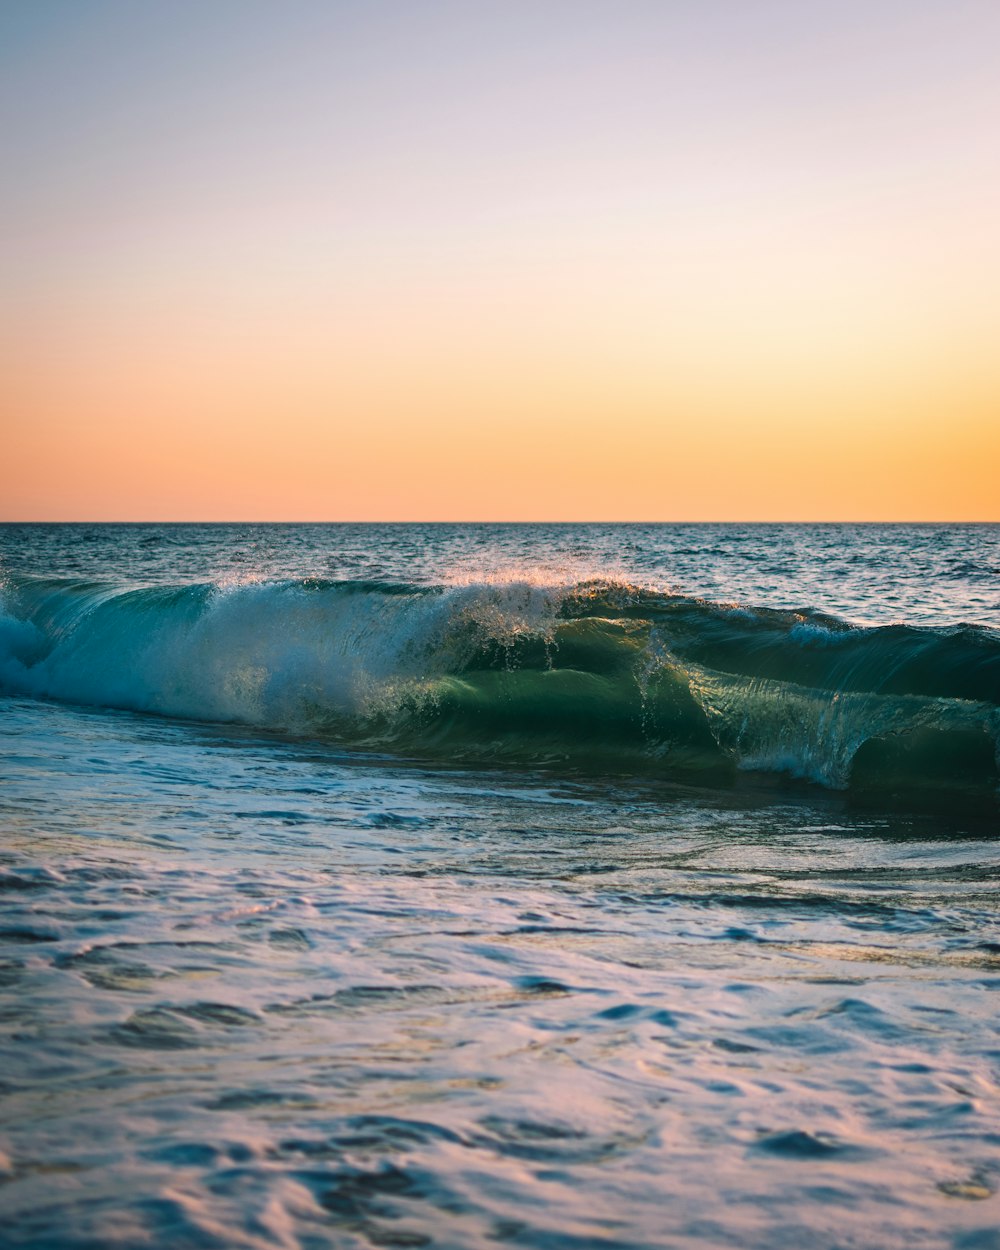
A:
[264, 987]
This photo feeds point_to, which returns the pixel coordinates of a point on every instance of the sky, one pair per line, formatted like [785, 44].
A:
[503, 260]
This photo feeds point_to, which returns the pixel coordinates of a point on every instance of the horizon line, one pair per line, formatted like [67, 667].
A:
[487, 521]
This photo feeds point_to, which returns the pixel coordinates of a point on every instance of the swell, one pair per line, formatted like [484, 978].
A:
[600, 676]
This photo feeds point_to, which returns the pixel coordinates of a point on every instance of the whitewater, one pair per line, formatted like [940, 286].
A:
[555, 886]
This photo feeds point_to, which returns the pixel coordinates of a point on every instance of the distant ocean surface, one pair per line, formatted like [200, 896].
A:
[556, 886]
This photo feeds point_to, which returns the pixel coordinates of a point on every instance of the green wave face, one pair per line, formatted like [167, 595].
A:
[600, 677]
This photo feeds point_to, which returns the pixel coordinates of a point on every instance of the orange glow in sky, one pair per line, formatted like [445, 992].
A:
[507, 262]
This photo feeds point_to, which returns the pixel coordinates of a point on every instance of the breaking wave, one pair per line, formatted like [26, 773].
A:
[602, 676]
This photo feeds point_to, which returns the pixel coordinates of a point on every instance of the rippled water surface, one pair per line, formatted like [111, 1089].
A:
[262, 986]
[870, 573]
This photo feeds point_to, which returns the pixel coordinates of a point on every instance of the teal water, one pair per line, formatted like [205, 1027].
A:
[549, 886]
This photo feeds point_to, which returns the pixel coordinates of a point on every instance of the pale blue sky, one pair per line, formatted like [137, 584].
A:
[637, 199]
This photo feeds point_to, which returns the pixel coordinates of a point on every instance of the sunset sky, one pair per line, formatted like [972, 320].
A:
[530, 259]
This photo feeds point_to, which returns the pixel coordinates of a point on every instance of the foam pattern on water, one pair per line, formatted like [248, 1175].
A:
[264, 995]
[458, 887]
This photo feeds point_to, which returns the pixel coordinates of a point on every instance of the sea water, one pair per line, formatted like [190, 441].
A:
[555, 886]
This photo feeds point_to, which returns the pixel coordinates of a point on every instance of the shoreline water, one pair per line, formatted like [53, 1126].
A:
[262, 989]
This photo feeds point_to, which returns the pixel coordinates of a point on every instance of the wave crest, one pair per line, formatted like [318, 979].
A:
[599, 674]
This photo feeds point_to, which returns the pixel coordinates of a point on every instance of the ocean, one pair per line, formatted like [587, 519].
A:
[548, 886]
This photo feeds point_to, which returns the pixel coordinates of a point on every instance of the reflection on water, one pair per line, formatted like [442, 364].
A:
[256, 993]
[927, 574]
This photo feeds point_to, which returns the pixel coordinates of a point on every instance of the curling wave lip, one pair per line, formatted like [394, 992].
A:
[600, 676]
